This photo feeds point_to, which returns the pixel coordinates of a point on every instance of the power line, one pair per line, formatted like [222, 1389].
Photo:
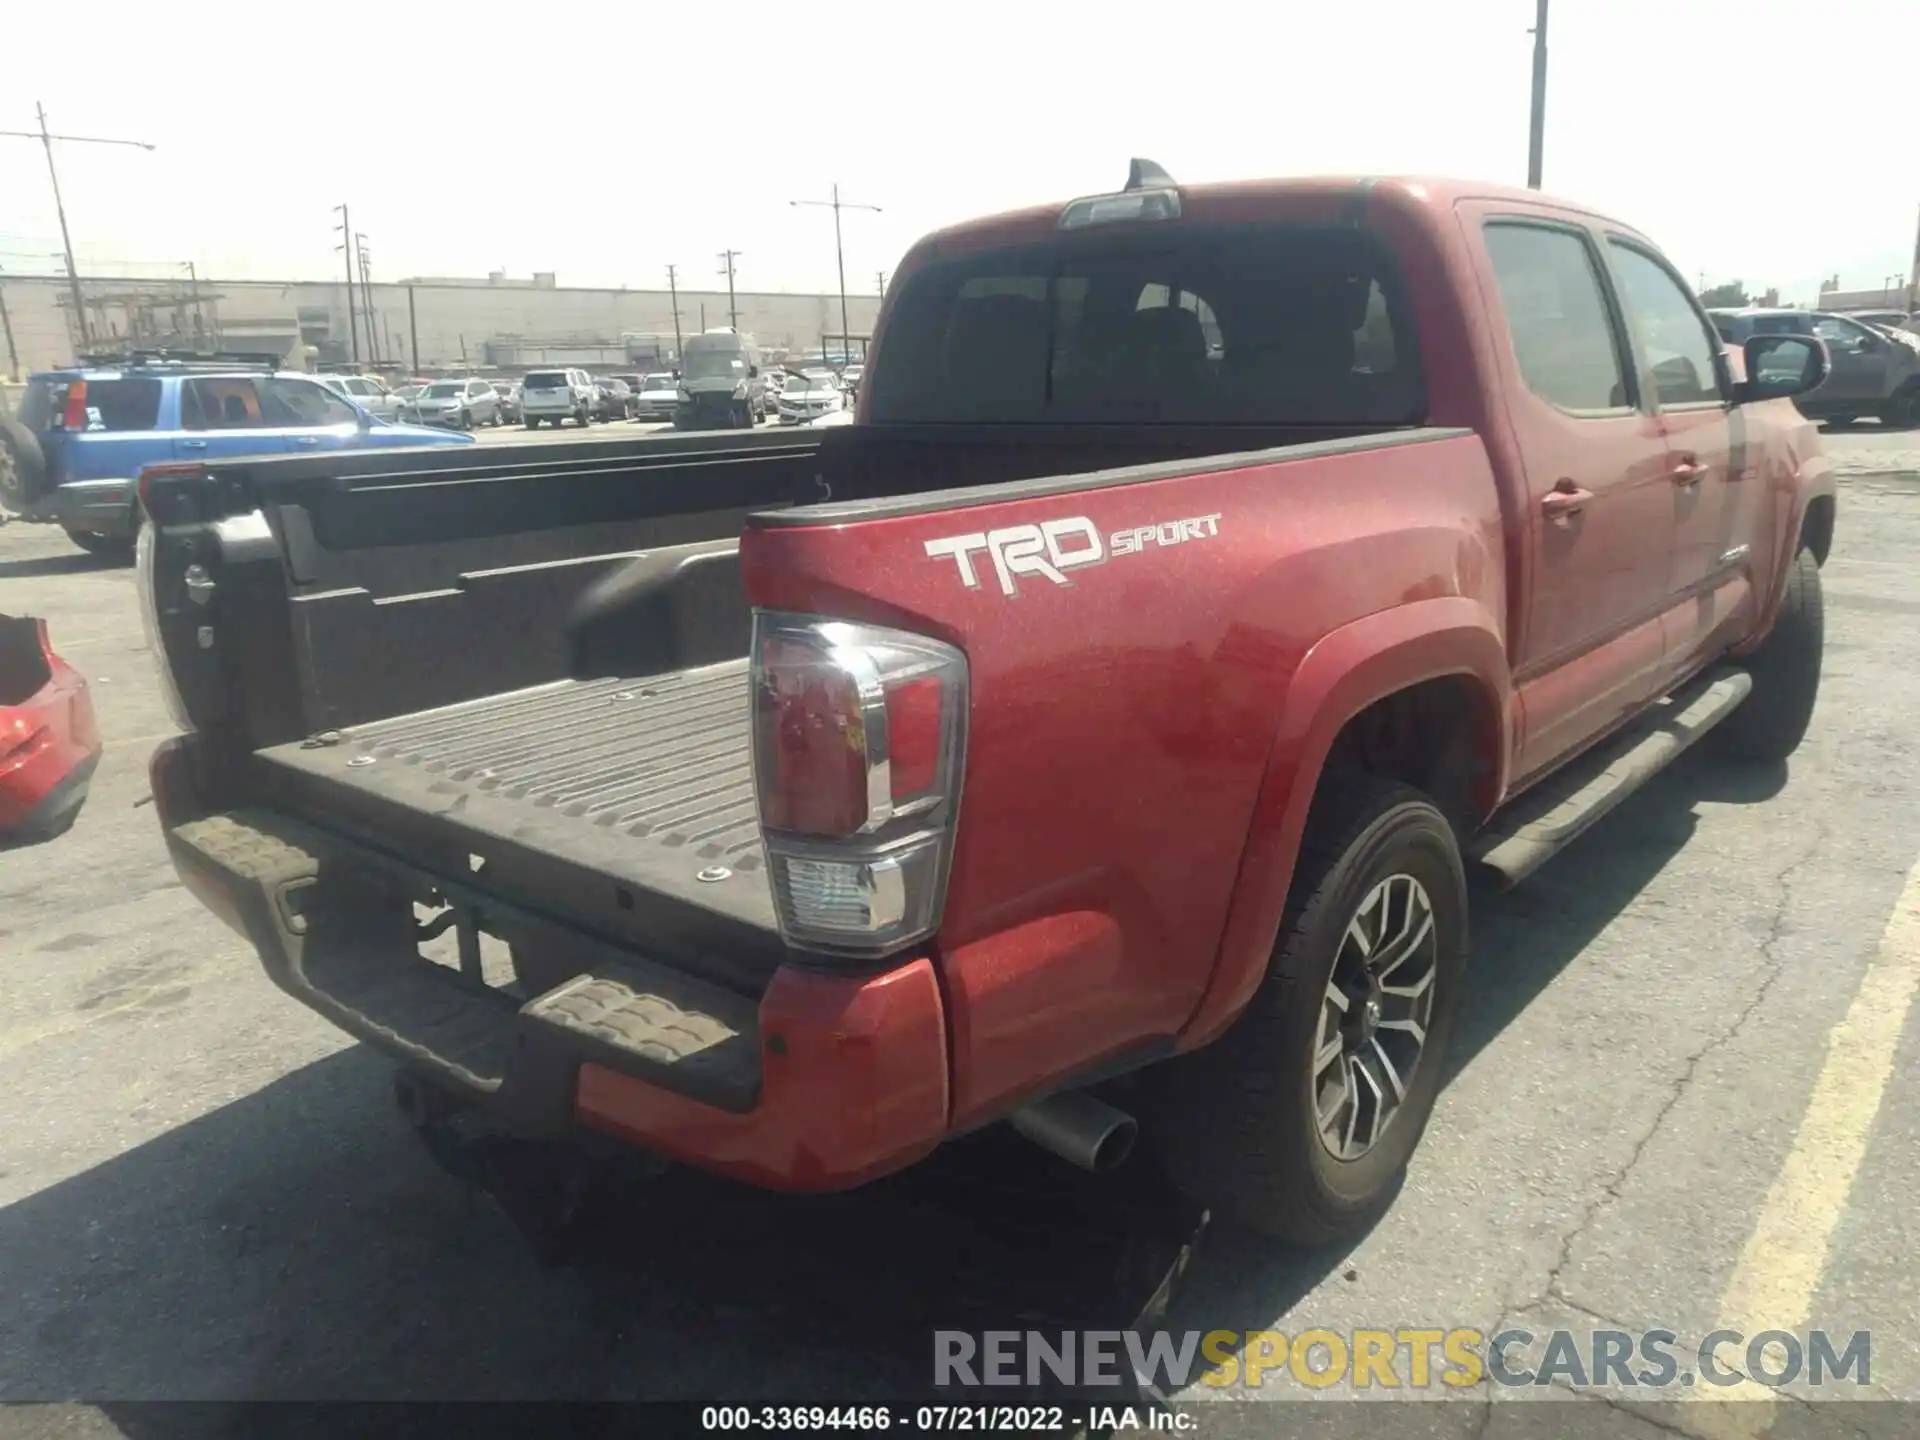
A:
[46, 139]
[836, 204]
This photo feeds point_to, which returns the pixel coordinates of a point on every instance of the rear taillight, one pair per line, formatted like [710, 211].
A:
[74, 416]
[858, 736]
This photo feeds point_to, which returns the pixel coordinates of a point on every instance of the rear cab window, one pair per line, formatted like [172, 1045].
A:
[1558, 321]
[546, 380]
[1269, 323]
[114, 405]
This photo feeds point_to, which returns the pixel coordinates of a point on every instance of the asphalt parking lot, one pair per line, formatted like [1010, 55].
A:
[206, 1193]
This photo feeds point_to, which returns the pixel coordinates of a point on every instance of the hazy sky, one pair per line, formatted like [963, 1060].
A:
[1756, 139]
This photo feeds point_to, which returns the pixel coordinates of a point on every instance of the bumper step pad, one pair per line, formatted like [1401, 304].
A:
[314, 908]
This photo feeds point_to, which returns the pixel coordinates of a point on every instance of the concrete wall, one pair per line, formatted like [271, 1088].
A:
[446, 314]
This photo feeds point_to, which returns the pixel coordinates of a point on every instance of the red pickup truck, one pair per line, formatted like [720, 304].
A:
[1094, 736]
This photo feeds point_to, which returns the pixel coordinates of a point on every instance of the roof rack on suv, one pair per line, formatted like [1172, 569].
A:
[186, 359]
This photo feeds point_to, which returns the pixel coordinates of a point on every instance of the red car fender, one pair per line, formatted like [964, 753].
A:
[1345, 672]
[1810, 481]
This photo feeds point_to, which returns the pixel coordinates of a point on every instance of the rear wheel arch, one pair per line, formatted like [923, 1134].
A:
[1442, 657]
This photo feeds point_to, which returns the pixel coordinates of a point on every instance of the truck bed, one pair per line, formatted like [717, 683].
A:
[644, 780]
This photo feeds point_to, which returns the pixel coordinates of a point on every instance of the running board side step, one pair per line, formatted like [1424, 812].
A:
[1557, 811]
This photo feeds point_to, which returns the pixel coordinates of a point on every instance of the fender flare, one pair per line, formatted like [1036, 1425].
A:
[1814, 483]
[1341, 675]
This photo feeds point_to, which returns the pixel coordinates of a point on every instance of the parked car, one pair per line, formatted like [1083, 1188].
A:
[1011, 763]
[508, 392]
[461, 404]
[556, 395]
[366, 392]
[1874, 372]
[616, 399]
[808, 396]
[49, 741]
[1885, 319]
[84, 433]
[850, 380]
[656, 396]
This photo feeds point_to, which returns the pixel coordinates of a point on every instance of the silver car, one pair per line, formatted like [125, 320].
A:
[369, 394]
[461, 404]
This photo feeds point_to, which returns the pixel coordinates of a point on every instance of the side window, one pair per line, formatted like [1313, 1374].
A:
[1680, 348]
[221, 405]
[479, 388]
[298, 402]
[359, 387]
[1557, 317]
[1840, 334]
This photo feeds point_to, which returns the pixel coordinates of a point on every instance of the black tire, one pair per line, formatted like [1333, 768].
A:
[1235, 1121]
[23, 466]
[113, 547]
[1772, 721]
[1904, 412]
[533, 424]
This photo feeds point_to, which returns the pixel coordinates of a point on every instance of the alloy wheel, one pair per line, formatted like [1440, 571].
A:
[1372, 1029]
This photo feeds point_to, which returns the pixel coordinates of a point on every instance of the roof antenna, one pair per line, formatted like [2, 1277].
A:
[1144, 174]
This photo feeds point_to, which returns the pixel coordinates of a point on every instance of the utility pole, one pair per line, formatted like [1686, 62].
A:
[193, 291]
[1537, 129]
[880, 283]
[1913, 280]
[346, 244]
[6, 323]
[727, 257]
[46, 139]
[366, 299]
[413, 325]
[836, 204]
[673, 289]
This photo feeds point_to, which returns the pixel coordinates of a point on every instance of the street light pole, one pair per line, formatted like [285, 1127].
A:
[366, 299]
[1537, 129]
[46, 139]
[727, 257]
[836, 204]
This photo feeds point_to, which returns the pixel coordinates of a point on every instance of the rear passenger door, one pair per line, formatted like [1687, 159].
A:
[222, 417]
[1717, 509]
[1599, 523]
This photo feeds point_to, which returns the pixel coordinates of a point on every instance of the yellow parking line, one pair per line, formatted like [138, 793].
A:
[1773, 1285]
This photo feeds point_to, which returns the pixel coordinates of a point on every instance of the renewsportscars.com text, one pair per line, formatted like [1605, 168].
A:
[1404, 1358]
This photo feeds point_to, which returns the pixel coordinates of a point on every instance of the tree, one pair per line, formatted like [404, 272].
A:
[1731, 294]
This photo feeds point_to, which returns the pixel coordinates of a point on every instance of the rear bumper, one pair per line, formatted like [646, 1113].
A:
[823, 1082]
[42, 786]
[104, 506]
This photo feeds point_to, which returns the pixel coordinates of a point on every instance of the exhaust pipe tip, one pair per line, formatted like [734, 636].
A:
[1079, 1129]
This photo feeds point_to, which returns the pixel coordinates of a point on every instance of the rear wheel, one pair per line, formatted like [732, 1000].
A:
[23, 466]
[1299, 1121]
[1904, 411]
[533, 424]
[1772, 721]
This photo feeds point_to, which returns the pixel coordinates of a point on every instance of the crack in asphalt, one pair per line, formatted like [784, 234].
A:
[1775, 966]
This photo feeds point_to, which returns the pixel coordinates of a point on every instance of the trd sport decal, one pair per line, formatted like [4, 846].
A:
[1053, 547]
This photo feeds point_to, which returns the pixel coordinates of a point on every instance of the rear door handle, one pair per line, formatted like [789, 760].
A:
[1689, 472]
[306, 439]
[1564, 501]
[193, 444]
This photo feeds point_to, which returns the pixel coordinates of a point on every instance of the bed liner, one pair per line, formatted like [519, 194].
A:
[642, 780]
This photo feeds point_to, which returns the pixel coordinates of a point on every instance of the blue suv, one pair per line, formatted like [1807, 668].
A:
[74, 453]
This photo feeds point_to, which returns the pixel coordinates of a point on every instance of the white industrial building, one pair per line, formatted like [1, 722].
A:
[422, 325]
